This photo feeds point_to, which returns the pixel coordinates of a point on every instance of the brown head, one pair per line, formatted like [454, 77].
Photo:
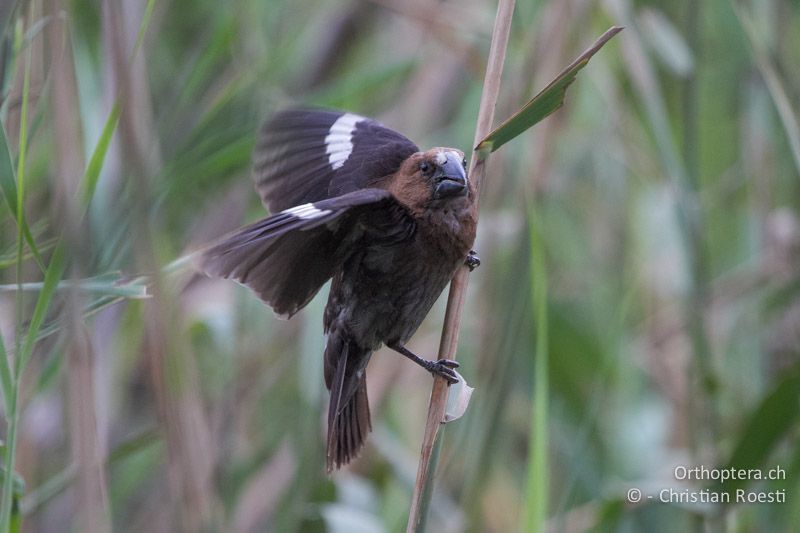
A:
[436, 179]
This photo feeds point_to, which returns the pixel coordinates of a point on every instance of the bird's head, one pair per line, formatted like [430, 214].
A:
[434, 178]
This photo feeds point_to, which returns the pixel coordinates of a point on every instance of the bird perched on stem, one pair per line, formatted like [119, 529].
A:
[359, 203]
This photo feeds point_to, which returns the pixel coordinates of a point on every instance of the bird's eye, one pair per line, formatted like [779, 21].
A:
[424, 166]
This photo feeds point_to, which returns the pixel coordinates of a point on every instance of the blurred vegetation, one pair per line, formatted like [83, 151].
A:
[665, 203]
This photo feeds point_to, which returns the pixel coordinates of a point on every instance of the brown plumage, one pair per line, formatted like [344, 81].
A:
[359, 203]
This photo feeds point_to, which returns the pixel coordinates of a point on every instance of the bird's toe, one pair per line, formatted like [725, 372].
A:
[472, 261]
[442, 368]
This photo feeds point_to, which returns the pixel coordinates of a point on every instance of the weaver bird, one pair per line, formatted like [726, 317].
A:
[359, 203]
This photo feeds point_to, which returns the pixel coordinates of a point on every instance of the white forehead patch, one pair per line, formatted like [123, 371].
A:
[440, 158]
[339, 141]
[306, 211]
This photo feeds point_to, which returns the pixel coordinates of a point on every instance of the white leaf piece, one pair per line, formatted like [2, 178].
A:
[458, 396]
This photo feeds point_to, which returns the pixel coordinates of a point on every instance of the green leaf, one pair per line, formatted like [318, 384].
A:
[16, 516]
[17, 482]
[135, 444]
[17, 491]
[773, 418]
[8, 187]
[544, 103]
[9, 259]
[92, 308]
[777, 87]
[59, 482]
[104, 285]
[53, 275]
[92, 174]
[6, 16]
[667, 42]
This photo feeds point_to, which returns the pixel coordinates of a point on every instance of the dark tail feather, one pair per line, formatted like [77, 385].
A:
[348, 418]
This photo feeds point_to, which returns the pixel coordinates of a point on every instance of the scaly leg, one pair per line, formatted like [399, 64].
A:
[442, 367]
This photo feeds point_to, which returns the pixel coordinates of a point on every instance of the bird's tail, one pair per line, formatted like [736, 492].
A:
[348, 413]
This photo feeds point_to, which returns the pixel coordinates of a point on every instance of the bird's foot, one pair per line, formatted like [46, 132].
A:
[443, 368]
[472, 260]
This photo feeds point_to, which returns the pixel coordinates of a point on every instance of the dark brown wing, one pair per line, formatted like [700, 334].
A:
[287, 257]
[308, 155]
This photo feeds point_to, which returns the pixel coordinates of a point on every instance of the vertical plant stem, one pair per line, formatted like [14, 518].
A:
[689, 123]
[12, 415]
[704, 424]
[172, 368]
[703, 379]
[426, 496]
[705, 429]
[423, 487]
[23, 149]
[54, 272]
[85, 424]
[536, 495]
[8, 461]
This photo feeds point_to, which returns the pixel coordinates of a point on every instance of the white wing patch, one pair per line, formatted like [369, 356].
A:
[339, 141]
[306, 211]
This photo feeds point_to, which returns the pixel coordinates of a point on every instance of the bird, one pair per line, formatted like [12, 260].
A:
[358, 203]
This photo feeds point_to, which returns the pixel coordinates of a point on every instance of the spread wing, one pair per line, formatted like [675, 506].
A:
[307, 155]
[287, 257]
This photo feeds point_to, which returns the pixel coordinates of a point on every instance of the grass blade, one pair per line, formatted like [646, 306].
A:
[772, 79]
[91, 285]
[543, 104]
[7, 507]
[51, 279]
[8, 187]
[776, 415]
[92, 174]
[458, 286]
[57, 484]
[536, 499]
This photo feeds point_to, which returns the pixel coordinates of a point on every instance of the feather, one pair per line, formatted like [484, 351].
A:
[308, 155]
[286, 258]
[348, 412]
[342, 208]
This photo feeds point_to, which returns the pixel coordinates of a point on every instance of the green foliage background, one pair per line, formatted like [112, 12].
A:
[664, 198]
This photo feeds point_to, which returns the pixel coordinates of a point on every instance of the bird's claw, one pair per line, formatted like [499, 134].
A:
[444, 368]
[472, 260]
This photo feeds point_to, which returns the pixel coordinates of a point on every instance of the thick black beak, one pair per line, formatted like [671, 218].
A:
[450, 177]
